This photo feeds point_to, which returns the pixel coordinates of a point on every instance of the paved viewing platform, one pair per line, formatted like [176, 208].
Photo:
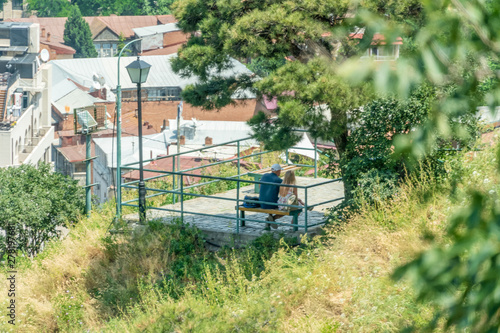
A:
[222, 231]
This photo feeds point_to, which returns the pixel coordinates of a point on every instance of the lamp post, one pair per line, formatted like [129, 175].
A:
[138, 71]
[119, 138]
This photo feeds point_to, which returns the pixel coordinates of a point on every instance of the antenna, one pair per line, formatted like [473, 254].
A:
[44, 55]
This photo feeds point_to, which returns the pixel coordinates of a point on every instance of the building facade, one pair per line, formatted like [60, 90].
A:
[26, 133]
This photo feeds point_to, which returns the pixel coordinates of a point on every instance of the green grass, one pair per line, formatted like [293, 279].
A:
[161, 279]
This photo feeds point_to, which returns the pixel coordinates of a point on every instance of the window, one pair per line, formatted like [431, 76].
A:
[80, 167]
[106, 50]
[115, 49]
[17, 4]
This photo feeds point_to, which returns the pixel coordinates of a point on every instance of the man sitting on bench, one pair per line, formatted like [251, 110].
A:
[269, 193]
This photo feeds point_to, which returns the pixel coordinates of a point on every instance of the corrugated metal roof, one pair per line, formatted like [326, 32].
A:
[75, 99]
[155, 144]
[156, 29]
[161, 74]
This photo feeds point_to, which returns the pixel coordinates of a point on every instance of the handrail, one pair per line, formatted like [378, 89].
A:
[178, 192]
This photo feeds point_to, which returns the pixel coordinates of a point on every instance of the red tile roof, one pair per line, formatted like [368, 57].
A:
[118, 24]
[76, 153]
[165, 164]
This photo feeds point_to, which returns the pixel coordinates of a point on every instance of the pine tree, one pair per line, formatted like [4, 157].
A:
[77, 35]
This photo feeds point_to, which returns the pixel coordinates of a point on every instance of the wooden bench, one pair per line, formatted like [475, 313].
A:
[257, 175]
[294, 213]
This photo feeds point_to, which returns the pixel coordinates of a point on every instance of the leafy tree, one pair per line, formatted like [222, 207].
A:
[272, 30]
[157, 7]
[49, 8]
[35, 202]
[369, 151]
[460, 277]
[77, 35]
[89, 7]
[121, 45]
[264, 66]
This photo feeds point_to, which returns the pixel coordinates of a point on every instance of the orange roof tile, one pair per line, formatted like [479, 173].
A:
[117, 24]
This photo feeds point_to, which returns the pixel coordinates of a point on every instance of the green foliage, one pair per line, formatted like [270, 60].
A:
[369, 150]
[121, 45]
[264, 66]
[77, 35]
[36, 202]
[50, 8]
[62, 8]
[455, 43]
[157, 7]
[310, 93]
[69, 311]
[460, 277]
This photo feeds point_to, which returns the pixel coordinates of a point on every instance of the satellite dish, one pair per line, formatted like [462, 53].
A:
[44, 55]
[99, 79]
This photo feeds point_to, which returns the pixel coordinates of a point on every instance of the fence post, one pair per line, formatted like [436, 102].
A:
[238, 161]
[305, 213]
[315, 158]
[182, 198]
[173, 179]
[237, 205]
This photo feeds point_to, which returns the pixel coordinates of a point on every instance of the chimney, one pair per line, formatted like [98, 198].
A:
[182, 140]
[43, 32]
[48, 36]
[150, 126]
[164, 124]
[146, 123]
[208, 141]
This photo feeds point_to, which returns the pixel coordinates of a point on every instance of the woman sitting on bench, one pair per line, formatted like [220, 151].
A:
[286, 193]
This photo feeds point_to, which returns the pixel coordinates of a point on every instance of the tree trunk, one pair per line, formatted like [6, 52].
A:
[341, 145]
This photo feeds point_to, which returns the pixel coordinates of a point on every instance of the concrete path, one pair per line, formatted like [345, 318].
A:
[222, 230]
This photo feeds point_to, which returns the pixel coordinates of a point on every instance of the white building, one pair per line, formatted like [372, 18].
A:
[105, 162]
[25, 88]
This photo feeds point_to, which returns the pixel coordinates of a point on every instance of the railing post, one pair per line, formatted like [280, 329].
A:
[182, 198]
[315, 158]
[238, 160]
[173, 179]
[305, 212]
[237, 205]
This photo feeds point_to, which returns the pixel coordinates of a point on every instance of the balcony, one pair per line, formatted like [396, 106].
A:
[34, 85]
[41, 139]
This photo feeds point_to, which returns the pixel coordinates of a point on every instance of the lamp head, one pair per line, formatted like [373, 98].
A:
[138, 71]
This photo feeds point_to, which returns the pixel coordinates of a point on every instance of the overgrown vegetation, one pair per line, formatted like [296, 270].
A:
[35, 203]
[161, 278]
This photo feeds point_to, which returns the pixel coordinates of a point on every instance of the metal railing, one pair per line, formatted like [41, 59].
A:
[179, 191]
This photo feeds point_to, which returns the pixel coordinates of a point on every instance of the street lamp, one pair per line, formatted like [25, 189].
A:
[138, 71]
[119, 137]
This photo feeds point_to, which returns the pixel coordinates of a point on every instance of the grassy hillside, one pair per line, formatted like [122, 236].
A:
[161, 279]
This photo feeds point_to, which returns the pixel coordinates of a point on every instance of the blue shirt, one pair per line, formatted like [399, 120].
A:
[269, 193]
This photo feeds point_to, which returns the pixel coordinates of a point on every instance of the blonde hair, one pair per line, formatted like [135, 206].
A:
[289, 179]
